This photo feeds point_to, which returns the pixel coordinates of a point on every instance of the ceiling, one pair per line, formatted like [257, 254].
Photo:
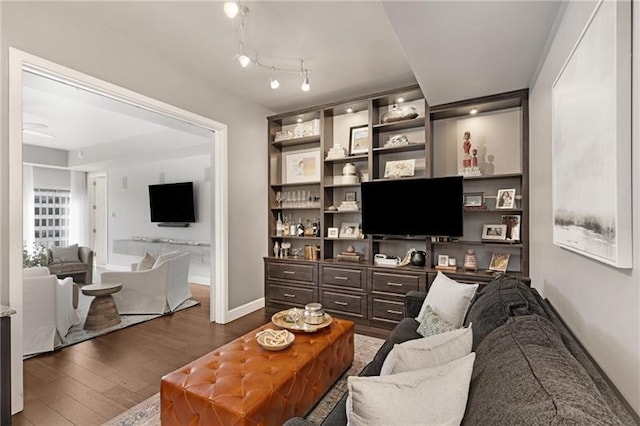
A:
[454, 49]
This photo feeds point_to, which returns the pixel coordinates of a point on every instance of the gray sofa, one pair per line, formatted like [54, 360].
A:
[528, 370]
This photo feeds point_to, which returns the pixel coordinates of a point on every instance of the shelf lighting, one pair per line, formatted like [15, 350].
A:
[299, 120]
[232, 9]
[349, 110]
[473, 111]
[400, 100]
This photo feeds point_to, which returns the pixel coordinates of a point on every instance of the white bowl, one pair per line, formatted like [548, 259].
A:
[275, 340]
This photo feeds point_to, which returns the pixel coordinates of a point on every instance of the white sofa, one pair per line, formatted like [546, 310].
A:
[158, 290]
[48, 310]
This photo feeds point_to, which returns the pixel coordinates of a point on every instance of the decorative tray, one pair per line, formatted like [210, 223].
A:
[280, 319]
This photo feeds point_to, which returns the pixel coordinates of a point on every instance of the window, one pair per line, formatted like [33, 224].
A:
[51, 219]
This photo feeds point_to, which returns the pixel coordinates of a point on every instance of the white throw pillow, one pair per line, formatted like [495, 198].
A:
[449, 299]
[428, 352]
[164, 256]
[146, 263]
[431, 396]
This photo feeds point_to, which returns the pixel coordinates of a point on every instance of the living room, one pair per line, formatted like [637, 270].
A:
[598, 302]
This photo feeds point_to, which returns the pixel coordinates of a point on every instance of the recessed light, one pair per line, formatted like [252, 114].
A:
[349, 110]
[473, 111]
[299, 120]
[400, 100]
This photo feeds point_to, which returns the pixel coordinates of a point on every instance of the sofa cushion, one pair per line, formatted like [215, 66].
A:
[524, 373]
[449, 299]
[501, 299]
[428, 352]
[430, 396]
[62, 268]
[65, 254]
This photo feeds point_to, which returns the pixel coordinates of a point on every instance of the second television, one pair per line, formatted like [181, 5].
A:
[413, 207]
[172, 203]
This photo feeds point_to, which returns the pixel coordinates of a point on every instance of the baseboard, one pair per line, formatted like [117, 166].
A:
[199, 280]
[245, 309]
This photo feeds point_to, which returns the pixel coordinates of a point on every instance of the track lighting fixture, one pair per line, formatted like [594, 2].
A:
[232, 9]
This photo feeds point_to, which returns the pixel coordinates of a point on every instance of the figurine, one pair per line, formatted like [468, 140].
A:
[474, 160]
[470, 261]
[466, 146]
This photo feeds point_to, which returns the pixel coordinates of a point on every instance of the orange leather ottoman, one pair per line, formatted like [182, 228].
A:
[241, 383]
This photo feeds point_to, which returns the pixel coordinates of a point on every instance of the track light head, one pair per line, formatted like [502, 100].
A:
[231, 9]
[244, 60]
[273, 81]
[305, 83]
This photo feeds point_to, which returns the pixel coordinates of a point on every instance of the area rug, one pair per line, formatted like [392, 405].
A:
[147, 413]
[78, 334]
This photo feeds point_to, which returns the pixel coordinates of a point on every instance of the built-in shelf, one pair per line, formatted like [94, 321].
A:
[294, 208]
[504, 211]
[402, 148]
[297, 141]
[505, 244]
[399, 125]
[363, 157]
[342, 185]
[504, 176]
[289, 237]
[342, 212]
[289, 185]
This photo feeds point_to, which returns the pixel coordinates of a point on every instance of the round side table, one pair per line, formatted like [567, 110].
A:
[103, 311]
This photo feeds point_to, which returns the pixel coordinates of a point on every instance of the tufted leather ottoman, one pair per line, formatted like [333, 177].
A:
[241, 383]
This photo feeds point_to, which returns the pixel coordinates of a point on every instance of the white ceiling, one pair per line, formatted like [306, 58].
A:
[454, 49]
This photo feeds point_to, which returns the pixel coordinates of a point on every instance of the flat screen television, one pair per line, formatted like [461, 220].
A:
[413, 207]
[172, 203]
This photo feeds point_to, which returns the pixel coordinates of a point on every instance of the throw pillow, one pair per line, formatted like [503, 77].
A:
[449, 299]
[146, 262]
[431, 396]
[428, 352]
[432, 324]
[65, 254]
[164, 256]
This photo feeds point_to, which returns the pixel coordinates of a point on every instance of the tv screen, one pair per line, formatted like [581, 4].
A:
[420, 207]
[172, 202]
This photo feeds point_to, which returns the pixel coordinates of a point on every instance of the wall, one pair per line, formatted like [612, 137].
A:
[32, 154]
[48, 178]
[128, 206]
[599, 303]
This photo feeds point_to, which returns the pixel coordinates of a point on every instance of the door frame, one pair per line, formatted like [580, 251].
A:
[92, 177]
[20, 61]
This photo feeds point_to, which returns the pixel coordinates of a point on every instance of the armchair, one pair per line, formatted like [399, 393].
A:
[158, 290]
[48, 310]
[73, 261]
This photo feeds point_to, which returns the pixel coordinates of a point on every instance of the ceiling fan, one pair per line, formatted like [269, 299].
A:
[32, 129]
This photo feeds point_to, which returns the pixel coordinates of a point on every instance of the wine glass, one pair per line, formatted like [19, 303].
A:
[279, 198]
[294, 315]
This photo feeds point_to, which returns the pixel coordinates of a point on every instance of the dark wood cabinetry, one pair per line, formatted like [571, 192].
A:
[362, 290]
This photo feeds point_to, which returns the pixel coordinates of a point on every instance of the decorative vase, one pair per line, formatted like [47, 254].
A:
[470, 261]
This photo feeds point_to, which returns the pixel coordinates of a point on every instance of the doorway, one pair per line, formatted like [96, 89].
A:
[20, 62]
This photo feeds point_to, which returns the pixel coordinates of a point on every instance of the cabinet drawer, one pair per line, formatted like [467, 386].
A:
[387, 309]
[343, 277]
[355, 304]
[291, 295]
[292, 271]
[394, 283]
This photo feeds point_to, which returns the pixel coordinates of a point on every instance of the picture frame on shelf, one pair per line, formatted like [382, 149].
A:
[473, 199]
[349, 230]
[400, 168]
[506, 199]
[499, 262]
[301, 166]
[350, 196]
[513, 226]
[443, 260]
[332, 233]
[494, 232]
[359, 139]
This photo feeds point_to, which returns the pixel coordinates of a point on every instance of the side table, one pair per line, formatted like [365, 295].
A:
[5, 364]
[103, 311]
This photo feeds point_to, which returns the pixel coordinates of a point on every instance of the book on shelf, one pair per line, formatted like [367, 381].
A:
[351, 257]
[447, 268]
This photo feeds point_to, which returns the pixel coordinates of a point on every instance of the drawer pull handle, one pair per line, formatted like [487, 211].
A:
[392, 284]
[340, 303]
[290, 272]
[391, 311]
[289, 295]
[341, 278]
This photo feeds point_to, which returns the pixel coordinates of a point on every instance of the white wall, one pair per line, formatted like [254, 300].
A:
[128, 207]
[32, 154]
[49, 178]
[599, 303]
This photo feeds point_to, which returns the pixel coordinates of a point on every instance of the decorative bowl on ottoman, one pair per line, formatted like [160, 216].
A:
[275, 340]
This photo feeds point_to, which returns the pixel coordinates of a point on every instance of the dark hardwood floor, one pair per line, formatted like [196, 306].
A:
[94, 381]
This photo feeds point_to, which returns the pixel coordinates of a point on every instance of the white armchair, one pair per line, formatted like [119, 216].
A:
[158, 290]
[48, 310]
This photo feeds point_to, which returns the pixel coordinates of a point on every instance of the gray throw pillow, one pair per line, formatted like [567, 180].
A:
[146, 262]
[65, 254]
[432, 324]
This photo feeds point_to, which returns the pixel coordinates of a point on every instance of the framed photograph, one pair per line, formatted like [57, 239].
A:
[301, 166]
[513, 226]
[499, 262]
[443, 260]
[332, 233]
[496, 232]
[359, 140]
[349, 230]
[350, 196]
[599, 225]
[473, 199]
[400, 168]
[506, 199]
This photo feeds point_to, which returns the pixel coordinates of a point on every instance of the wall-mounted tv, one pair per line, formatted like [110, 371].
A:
[413, 207]
[172, 203]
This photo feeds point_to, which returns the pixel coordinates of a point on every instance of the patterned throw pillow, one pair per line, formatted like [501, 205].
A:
[432, 324]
